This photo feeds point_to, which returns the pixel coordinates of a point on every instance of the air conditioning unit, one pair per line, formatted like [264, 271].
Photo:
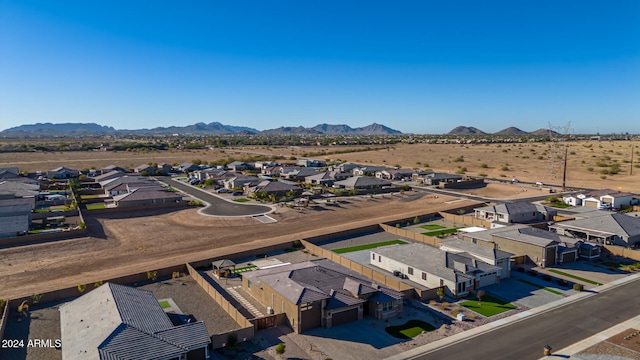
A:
[269, 310]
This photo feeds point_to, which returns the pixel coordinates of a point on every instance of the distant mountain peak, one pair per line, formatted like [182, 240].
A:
[466, 130]
[511, 131]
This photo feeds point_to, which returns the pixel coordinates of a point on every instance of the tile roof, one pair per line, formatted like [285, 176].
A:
[475, 249]
[362, 181]
[120, 322]
[607, 222]
[147, 194]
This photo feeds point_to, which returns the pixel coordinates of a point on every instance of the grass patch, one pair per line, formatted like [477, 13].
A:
[165, 304]
[94, 196]
[368, 246]
[433, 227]
[540, 287]
[95, 206]
[241, 200]
[41, 210]
[560, 205]
[244, 269]
[441, 232]
[489, 306]
[575, 277]
[409, 330]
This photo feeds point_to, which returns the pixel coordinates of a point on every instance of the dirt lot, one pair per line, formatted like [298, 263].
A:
[119, 245]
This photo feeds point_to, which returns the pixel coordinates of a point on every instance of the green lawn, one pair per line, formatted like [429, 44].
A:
[241, 200]
[575, 277]
[94, 196]
[440, 232]
[368, 246]
[489, 306]
[540, 287]
[433, 227]
[244, 268]
[42, 210]
[409, 330]
[95, 206]
[560, 205]
[165, 304]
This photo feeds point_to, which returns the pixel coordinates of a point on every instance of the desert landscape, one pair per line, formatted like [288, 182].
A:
[590, 163]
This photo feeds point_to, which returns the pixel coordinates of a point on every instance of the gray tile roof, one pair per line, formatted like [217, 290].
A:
[607, 222]
[317, 280]
[147, 194]
[475, 249]
[120, 322]
[362, 181]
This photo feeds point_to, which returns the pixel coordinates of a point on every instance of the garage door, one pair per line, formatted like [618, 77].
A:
[591, 204]
[344, 317]
[487, 280]
[569, 257]
[311, 318]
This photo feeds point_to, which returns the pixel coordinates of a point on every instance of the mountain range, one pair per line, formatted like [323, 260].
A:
[92, 129]
[470, 130]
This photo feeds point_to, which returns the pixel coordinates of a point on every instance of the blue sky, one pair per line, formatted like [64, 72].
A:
[416, 66]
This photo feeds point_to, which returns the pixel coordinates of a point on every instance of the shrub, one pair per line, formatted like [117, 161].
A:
[280, 348]
[455, 312]
[563, 282]
[578, 287]
[484, 166]
[297, 244]
[459, 159]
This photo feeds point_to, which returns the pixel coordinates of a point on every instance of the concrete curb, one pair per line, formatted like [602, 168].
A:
[480, 330]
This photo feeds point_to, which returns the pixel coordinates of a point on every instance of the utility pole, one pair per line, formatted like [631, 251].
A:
[564, 173]
[631, 168]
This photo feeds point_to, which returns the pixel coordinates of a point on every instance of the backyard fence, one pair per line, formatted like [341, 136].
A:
[412, 235]
[624, 252]
[467, 220]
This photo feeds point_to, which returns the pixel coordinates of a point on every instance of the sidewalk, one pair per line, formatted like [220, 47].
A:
[466, 335]
[571, 351]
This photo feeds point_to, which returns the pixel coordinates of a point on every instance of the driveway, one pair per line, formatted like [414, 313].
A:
[217, 206]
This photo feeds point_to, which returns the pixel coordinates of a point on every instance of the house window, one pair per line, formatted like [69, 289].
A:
[307, 306]
[424, 276]
[387, 306]
[410, 271]
[475, 241]
[373, 256]
[249, 285]
[379, 258]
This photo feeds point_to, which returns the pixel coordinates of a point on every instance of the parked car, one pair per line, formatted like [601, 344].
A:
[222, 190]
[237, 193]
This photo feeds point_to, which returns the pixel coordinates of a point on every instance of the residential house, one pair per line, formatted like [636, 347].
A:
[240, 181]
[431, 267]
[367, 170]
[20, 189]
[320, 293]
[213, 173]
[117, 186]
[326, 178]
[361, 183]
[147, 169]
[120, 322]
[239, 166]
[62, 173]
[263, 164]
[573, 199]
[113, 168]
[9, 173]
[141, 196]
[435, 178]
[279, 170]
[419, 175]
[516, 212]
[186, 168]
[489, 255]
[276, 188]
[394, 174]
[543, 248]
[311, 163]
[345, 167]
[607, 198]
[164, 168]
[15, 214]
[300, 174]
[602, 228]
[113, 174]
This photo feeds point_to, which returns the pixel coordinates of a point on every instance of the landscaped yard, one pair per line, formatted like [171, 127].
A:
[95, 206]
[575, 277]
[409, 330]
[165, 304]
[441, 232]
[94, 196]
[241, 200]
[244, 269]
[368, 246]
[489, 306]
[433, 227]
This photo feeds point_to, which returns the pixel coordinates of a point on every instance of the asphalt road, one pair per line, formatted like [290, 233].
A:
[218, 206]
[558, 328]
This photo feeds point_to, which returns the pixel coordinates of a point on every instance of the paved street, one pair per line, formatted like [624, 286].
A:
[218, 206]
[558, 328]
